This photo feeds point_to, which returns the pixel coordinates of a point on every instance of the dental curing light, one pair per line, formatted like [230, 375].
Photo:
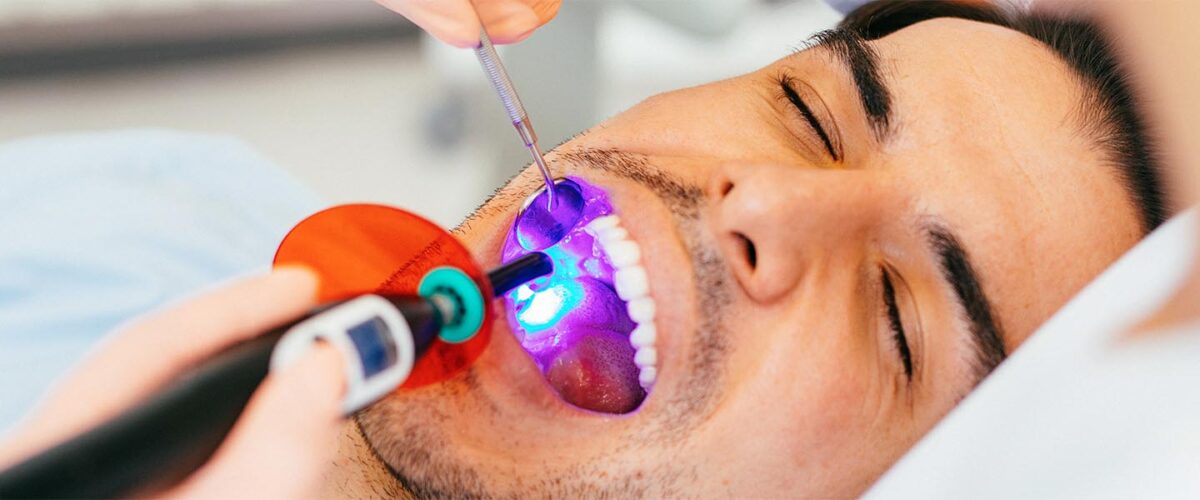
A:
[419, 299]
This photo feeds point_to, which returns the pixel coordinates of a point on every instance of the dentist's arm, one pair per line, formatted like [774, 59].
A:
[283, 442]
[455, 22]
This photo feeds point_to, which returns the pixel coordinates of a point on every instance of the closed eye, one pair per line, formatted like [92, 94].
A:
[896, 325]
[788, 86]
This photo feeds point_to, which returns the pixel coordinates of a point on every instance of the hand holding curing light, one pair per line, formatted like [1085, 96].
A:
[382, 336]
[163, 437]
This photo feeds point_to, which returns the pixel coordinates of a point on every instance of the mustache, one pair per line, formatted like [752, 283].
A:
[683, 199]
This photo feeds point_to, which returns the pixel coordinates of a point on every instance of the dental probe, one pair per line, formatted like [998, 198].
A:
[166, 437]
[490, 60]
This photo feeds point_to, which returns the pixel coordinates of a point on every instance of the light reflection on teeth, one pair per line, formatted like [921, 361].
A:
[643, 336]
[647, 376]
[631, 283]
[623, 253]
[642, 310]
[613, 235]
[646, 356]
[633, 286]
[602, 223]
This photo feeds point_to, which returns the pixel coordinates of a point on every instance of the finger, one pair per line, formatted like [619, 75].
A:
[451, 21]
[545, 10]
[140, 358]
[285, 440]
[507, 21]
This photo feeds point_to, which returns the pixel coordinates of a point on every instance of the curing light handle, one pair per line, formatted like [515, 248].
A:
[161, 441]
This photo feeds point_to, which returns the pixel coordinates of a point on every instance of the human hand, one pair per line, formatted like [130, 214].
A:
[455, 21]
[285, 439]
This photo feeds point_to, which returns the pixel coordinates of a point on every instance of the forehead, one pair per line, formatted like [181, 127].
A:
[989, 138]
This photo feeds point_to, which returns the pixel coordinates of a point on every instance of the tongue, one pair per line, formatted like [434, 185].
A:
[597, 373]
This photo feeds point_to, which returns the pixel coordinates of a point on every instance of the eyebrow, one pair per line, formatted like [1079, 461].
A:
[987, 340]
[862, 62]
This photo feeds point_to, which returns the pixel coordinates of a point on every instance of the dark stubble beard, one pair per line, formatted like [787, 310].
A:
[404, 434]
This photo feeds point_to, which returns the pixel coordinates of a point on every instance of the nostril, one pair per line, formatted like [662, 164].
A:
[726, 187]
[749, 250]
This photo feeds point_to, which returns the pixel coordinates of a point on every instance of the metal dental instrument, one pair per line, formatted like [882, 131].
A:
[490, 60]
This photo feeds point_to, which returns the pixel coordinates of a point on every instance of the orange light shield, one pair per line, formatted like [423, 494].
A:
[362, 248]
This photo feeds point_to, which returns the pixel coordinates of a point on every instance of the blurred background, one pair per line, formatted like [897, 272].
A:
[352, 99]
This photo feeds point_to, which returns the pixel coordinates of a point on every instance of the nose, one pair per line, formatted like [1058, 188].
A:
[774, 223]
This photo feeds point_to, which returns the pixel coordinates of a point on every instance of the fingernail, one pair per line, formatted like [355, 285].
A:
[304, 277]
[513, 25]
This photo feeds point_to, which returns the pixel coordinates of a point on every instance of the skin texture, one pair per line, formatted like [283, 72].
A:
[782, 378]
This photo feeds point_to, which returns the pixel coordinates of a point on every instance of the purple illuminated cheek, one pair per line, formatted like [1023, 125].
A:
[540, 227]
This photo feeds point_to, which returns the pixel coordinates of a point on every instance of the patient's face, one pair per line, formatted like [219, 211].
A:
[825, 287]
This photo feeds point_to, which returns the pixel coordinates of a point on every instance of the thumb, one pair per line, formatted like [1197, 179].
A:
[285, 441]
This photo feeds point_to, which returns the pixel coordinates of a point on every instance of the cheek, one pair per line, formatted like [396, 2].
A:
[802, 415]
[812, 377]
[716, 121]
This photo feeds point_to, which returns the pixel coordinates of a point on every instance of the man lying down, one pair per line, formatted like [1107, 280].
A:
[835, 250]
[838, 247]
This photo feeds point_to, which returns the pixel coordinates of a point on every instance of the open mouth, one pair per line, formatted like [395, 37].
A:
[589, 326]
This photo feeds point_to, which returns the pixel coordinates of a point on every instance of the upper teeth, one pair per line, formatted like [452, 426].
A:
[633, 286]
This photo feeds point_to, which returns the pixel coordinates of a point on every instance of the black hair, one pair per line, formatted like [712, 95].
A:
[1110, 109]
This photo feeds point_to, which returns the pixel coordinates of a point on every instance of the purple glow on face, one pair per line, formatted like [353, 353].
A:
[560, 299]
[572, 322]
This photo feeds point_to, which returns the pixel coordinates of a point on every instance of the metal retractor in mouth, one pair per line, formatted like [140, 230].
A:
[589, 325]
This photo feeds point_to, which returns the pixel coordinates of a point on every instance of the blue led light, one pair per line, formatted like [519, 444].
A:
[544, 308]
[543, 303]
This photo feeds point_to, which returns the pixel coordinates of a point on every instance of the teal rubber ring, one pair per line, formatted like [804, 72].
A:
[452, 279]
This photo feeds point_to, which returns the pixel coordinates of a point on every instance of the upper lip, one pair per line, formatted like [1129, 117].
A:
[665, 262]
